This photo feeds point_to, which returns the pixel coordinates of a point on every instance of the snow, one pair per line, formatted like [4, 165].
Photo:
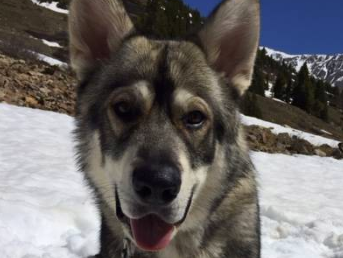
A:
[301, 202]
[48, 212]
[268, 93]
[300, 64]
[276, 54]
[52, 6]
[277, 129]
[50, 60]
[279, 100]
[51, 44]
[326, 132]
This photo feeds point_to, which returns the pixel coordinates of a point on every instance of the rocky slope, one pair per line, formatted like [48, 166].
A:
[325, 67]
[36, 85]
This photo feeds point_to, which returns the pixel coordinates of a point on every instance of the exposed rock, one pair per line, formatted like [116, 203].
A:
[328, 150]
[337, 154]
[340, 146]
[262, 139]
[36, 85]
[3, 81]
[301, 146]
[285, 139]
[320, 153]
[31, 101]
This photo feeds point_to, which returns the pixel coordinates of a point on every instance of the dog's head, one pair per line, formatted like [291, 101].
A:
[155, 117]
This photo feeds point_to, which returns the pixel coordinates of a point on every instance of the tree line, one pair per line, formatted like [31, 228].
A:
[299, 89]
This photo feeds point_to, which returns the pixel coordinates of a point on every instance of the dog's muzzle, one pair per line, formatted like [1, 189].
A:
[156, 187]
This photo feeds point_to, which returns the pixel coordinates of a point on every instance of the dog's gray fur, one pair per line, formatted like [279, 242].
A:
[164, 80]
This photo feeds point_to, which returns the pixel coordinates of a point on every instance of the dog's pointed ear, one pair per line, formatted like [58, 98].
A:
[230, 38]
[96, 29]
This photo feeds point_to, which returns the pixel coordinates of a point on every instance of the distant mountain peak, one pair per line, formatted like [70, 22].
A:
[325, 67]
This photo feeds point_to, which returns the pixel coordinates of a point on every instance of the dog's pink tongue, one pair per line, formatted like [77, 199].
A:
[151, 233]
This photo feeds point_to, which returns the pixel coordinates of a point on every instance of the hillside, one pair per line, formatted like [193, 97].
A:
[41, 25]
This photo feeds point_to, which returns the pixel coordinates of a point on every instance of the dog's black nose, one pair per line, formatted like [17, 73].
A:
[156, 184]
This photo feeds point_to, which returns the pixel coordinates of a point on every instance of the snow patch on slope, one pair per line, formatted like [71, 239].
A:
[51, 44]
[50, 60]
[52, 6]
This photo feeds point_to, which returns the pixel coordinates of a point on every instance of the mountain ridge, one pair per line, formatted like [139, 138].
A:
[327, 67]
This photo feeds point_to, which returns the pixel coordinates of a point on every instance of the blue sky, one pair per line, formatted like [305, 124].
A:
[296, 26]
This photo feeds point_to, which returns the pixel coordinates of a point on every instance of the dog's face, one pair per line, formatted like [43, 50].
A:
[154, 116]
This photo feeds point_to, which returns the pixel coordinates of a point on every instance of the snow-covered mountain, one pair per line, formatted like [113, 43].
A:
[325, 67]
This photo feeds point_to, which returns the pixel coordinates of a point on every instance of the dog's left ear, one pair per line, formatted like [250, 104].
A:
[96, 30]
[230, 38]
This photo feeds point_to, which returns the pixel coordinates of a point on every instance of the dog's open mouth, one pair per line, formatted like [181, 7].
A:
[150, 232]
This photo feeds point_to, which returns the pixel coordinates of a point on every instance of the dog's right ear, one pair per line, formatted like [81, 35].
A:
[96, 29]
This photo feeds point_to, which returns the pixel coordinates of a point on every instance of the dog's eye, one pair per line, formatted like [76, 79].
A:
[194, 120]
[126, 111]
[122, 108]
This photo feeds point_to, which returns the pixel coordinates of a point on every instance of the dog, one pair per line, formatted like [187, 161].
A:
[158, 132]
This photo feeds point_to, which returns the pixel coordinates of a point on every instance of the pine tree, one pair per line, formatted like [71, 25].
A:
[169, 19]
[288, 91]
[340, 102]
[258, 83]
[279, 88]
[319, 93]
[263, 52]
[337, 97]
[249, 105]
[300, 88]
[324, 114]
[320, 107]
[309, 95]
